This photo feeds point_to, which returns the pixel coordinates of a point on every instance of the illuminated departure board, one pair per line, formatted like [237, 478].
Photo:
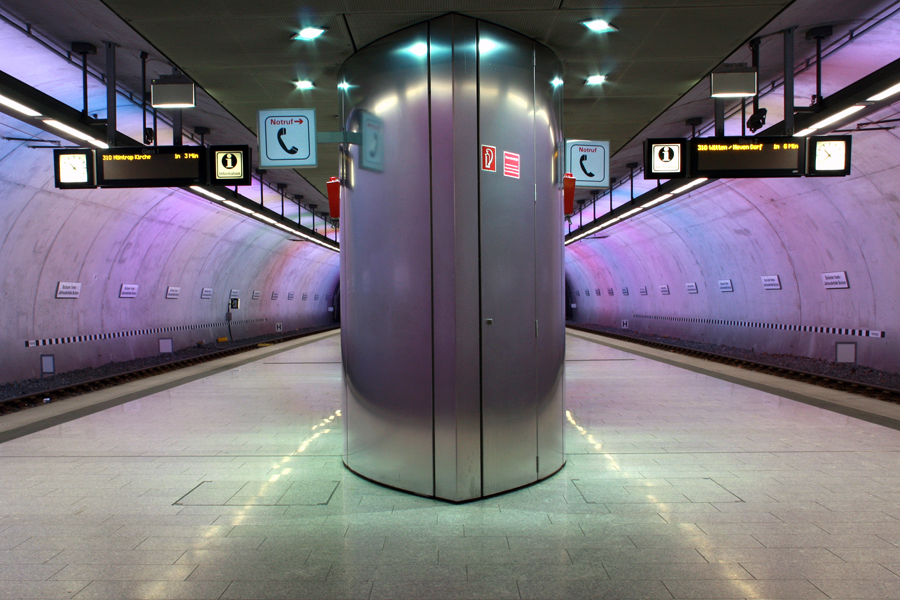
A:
[748, 157]
[161, 166]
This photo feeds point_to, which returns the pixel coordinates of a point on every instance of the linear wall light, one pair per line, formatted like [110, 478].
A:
[832, 119]
[75, 133]
[18, 107]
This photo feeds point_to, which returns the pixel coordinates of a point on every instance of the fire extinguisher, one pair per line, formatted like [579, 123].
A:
[334, 197]
[569, 194]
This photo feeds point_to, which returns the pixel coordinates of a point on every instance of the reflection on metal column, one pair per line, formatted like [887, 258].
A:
[436, 400]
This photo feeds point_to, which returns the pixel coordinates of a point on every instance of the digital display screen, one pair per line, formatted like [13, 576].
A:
[748, 157]
[161, 166]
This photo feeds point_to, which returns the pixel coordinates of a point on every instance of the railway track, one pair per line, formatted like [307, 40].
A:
[18, 403]
[834, 383]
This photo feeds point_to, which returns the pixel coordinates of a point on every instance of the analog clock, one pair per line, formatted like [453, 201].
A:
[829, 155]
[74, 168]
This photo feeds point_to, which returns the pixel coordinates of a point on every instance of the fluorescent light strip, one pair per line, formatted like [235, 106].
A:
[662, 198]
[631, 212]
[207, 193]
[239, 207]
[885, 94]
[99, 144]
[688, 186]
[832, 119]
[265, 218]
[18, 107]
[66, 129]
[174, 105]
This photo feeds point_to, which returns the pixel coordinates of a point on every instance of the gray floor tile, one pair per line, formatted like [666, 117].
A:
[593, 590]
[153, 590]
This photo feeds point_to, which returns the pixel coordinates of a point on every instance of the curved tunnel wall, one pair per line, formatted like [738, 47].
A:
[153, 238]
[742, 230]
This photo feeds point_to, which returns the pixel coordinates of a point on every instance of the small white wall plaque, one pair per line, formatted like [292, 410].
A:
[290, 295]
[624, 291]
[128, 290]
[643, 290]
[274, 295]
[172, 293]
[836, 280]
[771, 282]
[206, 293]
[624, 324]
[68, 289]
[725, 285]
[692, 288]
[610, 291]
[664, 290]
[234, 294]
[256, 294]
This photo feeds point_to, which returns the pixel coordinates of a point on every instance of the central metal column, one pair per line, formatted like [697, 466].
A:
[452, 297]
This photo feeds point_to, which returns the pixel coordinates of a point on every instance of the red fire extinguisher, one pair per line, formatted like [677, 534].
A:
[334, 197]
[569, 194]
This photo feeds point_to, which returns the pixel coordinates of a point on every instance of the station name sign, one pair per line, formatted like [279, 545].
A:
[747, 157]
[152, 166]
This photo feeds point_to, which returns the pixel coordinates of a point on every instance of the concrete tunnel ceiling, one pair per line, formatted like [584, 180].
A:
[242, 53]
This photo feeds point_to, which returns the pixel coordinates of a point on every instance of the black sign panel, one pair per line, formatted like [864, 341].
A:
[229, 165]
[829, 156]
[665, 158]
[159, 166]
[748, 157]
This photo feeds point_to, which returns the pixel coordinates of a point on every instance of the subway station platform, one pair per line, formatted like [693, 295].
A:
[225, 481]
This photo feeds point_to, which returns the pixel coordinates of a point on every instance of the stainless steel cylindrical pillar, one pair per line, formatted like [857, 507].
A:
[453, 330]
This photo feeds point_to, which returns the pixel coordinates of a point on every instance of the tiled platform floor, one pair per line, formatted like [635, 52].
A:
[678, 486]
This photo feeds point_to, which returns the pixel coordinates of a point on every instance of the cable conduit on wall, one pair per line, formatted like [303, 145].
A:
[120, 334]
[779, 326]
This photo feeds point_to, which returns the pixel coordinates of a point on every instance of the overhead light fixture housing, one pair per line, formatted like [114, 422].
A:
[304, 84]
[172, 91]
[310, 33]
[733, 84]
[595, 80]
[599, 26]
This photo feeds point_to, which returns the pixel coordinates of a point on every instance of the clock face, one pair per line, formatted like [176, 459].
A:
[73, 168]
[831, 155]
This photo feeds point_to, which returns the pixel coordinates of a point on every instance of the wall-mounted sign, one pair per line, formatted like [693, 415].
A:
[287, 138]
[597, 292]
[151, 166]
[664, 290]
[511, 166]
[234, 303]
[748, 157]
[835, 281]
[725, 285]
[771, 282]
[829, 156]
[279, 327]
[692, 288]
[74, 168]
[624, 291]
[665, 158]
[488, 158]
[587, 292]
[230, 165]
[172, 293]
[624, 324]
[234, 294]
[610, 291]
[290, 295]
[68, 289]
[643, 290]
[371, 148]
[206, 293]
[578, 293]
[316, 298]
[588, 161]
[256, 294]
[274, 295]
[304, 297]
[128, 290]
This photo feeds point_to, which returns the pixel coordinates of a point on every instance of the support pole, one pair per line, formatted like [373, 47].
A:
[110, 93]
[789, 81]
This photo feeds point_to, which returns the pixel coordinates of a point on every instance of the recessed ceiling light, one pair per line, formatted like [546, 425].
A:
[485, 45]
[595, 80]
[344, 85]
[304, 84]
[599, 25]
[557, 82]
[310, 33]
[419, 49]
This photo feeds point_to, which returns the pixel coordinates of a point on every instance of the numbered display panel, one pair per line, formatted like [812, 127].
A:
[748, 157]
[160, 166]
